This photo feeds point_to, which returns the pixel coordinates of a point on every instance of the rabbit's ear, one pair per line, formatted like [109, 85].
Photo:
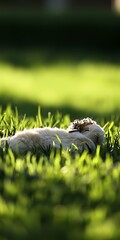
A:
[81, 125]
[76, 125]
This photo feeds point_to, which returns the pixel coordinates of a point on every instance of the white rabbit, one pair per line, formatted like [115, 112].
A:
[84, 134]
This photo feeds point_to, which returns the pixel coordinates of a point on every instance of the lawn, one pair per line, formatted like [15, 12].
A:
[87, 83]
[59, 194]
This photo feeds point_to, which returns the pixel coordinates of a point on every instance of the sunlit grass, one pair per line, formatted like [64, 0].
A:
[85, 85]
[58, 193]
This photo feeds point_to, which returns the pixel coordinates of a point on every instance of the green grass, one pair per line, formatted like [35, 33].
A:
[48, 79]
[59, 194]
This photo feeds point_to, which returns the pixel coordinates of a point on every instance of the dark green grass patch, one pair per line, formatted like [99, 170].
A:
[59, 195]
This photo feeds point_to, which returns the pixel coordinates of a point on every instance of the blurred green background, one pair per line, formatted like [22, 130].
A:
[62, 56]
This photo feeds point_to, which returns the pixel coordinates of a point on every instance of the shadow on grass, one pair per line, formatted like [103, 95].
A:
[26, 57]
[31, 110]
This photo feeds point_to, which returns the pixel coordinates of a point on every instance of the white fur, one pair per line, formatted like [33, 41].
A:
[46, 137]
